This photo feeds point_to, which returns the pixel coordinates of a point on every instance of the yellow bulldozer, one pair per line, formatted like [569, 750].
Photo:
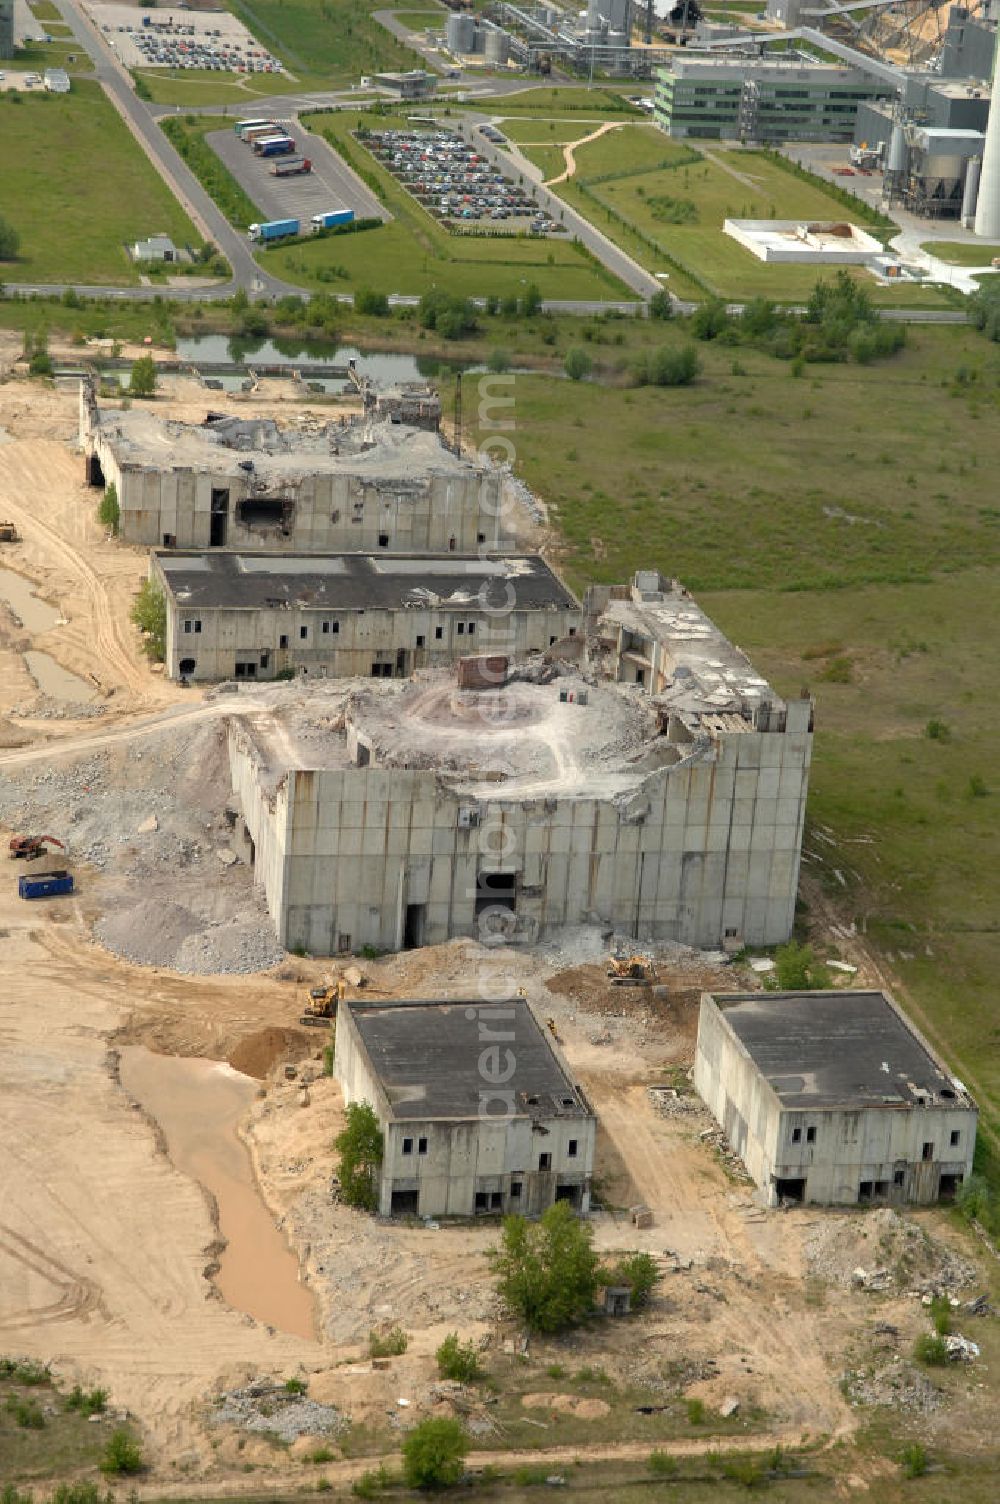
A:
[321, 1004]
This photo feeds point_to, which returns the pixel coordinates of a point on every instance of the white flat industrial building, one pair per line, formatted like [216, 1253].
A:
[819, 243]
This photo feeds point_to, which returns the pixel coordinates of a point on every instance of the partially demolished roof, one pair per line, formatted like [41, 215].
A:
[369, 449]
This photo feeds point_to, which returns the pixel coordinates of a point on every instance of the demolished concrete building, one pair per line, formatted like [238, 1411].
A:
[309, 487]
[833, 1097]
[478, 1112]
[404, 814]
[257, 616]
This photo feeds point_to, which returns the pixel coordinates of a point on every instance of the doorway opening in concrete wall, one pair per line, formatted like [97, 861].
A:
[95, 475]
[571, 1193]
[790, 1190]
[948, 1187]
[264, 511]
[496, 902]
[405, 1203]
[866, 1190]
[186, 666]
[413, 927]
[219, 523]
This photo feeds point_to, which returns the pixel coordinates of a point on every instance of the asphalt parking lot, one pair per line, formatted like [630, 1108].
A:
[213, 40]
[330, 185]
[454, 182]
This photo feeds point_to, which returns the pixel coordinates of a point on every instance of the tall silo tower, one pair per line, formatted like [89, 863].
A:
[988, 203]
[6, 28]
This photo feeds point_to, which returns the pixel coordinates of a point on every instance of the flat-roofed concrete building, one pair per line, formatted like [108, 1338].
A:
[833, 1097]
[253, 616]
[304, 487]
[478, 1112]
[712, 97]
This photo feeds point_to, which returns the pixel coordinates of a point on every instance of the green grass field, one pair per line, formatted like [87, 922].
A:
[74, 223]
[722, 184]
[201, 87]
[419, 20]
[847, 516]
[414, 253]
[568, 100]
[38, 56]
[550, 132]
[325, 43]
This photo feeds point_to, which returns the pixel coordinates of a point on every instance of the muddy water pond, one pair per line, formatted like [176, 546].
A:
[57, 682]
[34, 614]
[197, 1104]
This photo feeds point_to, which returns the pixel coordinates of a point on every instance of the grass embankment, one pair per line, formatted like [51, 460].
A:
[188, 135]
[74, 223]
[414, 252]
[961, 252]
[665, 205]
[320, 40]
[855, 553]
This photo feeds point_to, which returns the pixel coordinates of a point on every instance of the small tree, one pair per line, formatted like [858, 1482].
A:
[108, 510]
[149, 612]
[660, 306]
[122, 1455]
[10, 240]
[143, 382]
[458, 1360]
[531, 303]
[578, 364]
[360, 1146]
[434, 1453]
[547, 1271]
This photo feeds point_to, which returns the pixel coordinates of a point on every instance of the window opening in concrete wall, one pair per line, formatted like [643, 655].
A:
[383, 540]
[545, 1161]
[881, 1189]
[472, 628]
[640, 676]
[283, 641]
[421, 1146]
[928, 1152]
[421, 640]
[438, 633]
[796, 1135]
[899, 1178]
[265, 659]
[413, 927]
[515, 1190]
[303, 633]
[792, 1189]
[219, 519]
[169, 540]
[571, 1148]
[480, 537]
[404, 1203]
[264, 511]
[956, 1137]
[810, 1135]
[460, 629]
[407, 1146]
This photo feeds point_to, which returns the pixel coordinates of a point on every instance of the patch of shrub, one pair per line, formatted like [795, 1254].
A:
[458, 1360]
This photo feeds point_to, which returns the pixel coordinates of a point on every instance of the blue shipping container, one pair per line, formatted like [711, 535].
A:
[45, 885]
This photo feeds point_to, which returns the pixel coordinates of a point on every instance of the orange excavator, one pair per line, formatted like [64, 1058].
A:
[27, 848]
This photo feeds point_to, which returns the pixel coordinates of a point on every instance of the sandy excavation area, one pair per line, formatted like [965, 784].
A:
[110, 1255]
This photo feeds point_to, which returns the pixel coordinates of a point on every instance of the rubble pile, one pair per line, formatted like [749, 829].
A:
[884, 1251]
[895, 1383]
[270, 1409]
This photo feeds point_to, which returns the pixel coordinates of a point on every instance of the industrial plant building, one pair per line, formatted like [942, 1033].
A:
[6, 29]
[666, 806]
[833, 1097]
[307, 488]
[760, 100]
[257, 616]
[478, 1112]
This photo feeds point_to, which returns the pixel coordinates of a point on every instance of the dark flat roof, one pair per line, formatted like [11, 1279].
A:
[427, 1056]
[354, 581]
[826, 1049]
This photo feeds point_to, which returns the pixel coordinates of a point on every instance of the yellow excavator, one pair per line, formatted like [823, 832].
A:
[321, 1004]
[631, 971]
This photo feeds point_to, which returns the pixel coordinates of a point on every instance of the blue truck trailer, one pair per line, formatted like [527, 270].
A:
[332, 217]
[274, 229]
[45, 885]
[274, 146]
